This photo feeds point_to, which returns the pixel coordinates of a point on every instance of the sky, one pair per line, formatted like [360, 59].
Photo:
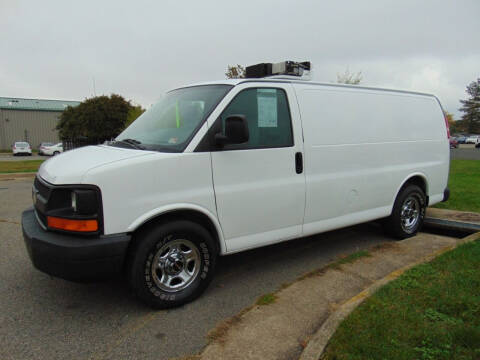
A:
[140, 49]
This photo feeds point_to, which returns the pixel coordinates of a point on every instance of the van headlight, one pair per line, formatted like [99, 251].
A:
[74, 201]
[75, 209]
[84, 202]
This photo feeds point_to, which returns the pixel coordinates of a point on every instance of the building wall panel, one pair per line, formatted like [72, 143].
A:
[28, 125]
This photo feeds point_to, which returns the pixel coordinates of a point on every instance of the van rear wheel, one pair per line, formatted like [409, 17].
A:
[408, 213]
[172, 263]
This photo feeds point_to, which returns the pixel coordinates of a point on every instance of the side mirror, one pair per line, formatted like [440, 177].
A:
[236, 131]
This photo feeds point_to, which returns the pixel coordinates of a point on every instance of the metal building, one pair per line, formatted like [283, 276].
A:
[31, 120]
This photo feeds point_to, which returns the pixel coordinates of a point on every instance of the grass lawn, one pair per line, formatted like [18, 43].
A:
[464, 185]
[430, 312]
[20, 166]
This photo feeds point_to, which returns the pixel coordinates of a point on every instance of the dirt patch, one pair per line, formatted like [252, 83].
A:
[9, 222]
[384, 246]
[467, 217]
[188, 357]
[219, 333]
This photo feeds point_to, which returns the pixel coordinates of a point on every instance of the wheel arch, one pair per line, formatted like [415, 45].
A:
[189, 212]
[418, 179]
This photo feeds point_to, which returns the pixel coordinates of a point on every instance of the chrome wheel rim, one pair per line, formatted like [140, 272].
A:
[176, 265]
[410, 214]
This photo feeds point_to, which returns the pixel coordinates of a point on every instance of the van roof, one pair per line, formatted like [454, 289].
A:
[303, 82]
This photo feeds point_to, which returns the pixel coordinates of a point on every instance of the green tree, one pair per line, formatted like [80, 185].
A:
[471, 108]
[133, 114]
[349, 78]
[235, 72]
[97, 119]
[452, 124]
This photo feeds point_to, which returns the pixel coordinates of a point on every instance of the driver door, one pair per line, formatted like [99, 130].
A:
[259, 190]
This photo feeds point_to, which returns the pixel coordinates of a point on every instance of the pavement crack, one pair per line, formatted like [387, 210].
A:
[9, 222]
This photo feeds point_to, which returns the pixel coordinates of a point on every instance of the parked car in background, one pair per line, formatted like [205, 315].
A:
[453, 143]
[21, 148]
[461, 139]
[472, 139]
[42, 146]
[53, 149]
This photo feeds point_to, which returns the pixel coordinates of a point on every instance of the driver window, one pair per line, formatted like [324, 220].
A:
[268, 117]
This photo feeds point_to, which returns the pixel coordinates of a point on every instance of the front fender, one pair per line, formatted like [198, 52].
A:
[179, 207]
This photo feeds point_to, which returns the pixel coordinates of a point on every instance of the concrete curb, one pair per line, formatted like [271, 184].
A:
[468, 217]
[318, 342]
[14, 176]
[452, 225]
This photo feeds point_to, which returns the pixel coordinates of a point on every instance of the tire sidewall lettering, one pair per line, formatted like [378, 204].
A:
[422, 206]
[205, 266]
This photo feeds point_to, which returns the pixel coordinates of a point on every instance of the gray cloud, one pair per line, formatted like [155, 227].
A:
[53, 49]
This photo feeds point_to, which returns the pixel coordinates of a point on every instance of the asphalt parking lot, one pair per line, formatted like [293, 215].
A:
[47, 318]
[465, 152]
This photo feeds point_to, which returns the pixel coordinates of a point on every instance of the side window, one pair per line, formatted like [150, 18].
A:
[268, 116]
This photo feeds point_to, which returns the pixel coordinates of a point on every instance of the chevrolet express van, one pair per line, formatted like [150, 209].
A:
[221, 167]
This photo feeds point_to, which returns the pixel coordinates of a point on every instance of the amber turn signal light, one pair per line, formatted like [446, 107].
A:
[72, 225]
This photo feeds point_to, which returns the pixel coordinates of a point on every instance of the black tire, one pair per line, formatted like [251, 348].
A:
[404, 225]
[151, 243]
[56, 153]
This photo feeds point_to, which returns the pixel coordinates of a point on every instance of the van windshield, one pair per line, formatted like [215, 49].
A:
[170, 124]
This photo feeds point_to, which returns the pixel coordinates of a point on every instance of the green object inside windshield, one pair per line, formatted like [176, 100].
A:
[170, 124]
[177, 115]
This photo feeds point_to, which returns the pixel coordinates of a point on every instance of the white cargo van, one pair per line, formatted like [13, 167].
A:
[221, 167]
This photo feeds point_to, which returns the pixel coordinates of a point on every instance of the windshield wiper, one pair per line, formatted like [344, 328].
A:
[132, 142]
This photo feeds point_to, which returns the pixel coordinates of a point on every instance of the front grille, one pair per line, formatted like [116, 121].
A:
[56, 200]
[42, 191]
[42, 188]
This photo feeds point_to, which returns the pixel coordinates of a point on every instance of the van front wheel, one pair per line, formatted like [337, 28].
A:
[408, 213]
[172, 263]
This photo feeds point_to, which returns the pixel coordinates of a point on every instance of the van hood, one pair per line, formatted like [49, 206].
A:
[71, 166]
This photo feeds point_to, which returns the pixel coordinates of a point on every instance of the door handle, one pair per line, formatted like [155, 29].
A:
[298, 162]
